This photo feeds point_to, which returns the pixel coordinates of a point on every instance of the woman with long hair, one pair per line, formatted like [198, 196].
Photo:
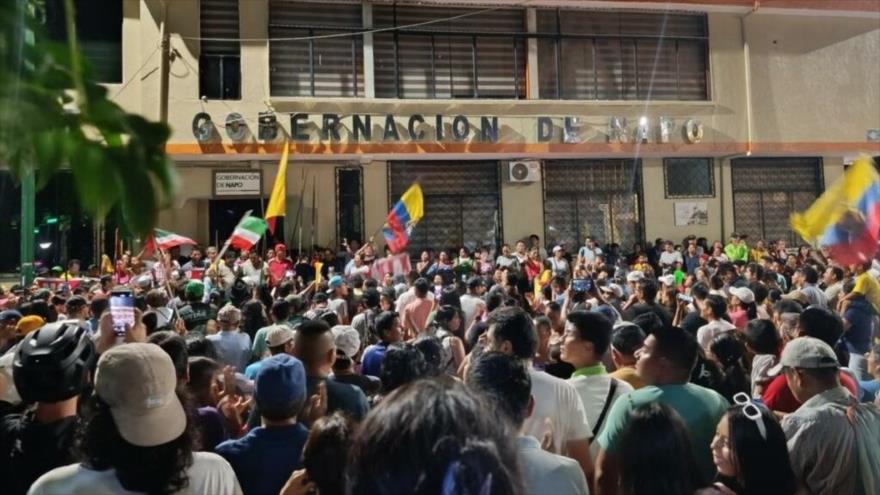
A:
[657, 454]
[253, 317]
[447, 321]
[324, 457]
[742, 307]
[452, 444]
[728, 350]
[750, 452]
[139, 437]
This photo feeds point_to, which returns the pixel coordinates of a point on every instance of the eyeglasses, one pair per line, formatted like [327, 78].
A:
[752, 411]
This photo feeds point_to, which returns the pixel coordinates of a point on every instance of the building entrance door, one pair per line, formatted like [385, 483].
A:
[224, 215]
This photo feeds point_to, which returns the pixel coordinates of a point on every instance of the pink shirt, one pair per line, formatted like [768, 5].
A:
[739, 318]
[416, 313]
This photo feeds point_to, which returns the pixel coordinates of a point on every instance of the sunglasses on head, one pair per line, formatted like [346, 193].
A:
[752, 411]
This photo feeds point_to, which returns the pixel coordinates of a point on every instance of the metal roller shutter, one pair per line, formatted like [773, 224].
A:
[462, 203]
[319, 67]
[451, 59]
[599, 198]
[763, 203]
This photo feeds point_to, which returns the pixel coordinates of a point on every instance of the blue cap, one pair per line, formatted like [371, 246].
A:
[335, 282]
[280, 382]
[607, 312]
[9, 314]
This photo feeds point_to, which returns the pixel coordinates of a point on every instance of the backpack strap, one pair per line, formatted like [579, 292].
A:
[605, 407]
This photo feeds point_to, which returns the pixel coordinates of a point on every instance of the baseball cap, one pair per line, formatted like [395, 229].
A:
[667, 280]
[280, 382]
[557, 248]
[612, 288]
[138, 382]
[334, 283]
[9, 314]
[348, 340]
[635, 276]
[278, 335]
[28, 324]
[805, 352]
[194, 290]
[744, 294]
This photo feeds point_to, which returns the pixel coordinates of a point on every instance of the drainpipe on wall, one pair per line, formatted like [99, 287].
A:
[747, 71]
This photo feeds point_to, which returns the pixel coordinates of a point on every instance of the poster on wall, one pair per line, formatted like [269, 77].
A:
[691, 213]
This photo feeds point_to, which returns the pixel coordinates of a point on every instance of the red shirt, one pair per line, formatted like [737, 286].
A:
[277, 269]
[778, 397]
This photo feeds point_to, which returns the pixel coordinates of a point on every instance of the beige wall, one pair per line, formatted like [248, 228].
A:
[814, 87]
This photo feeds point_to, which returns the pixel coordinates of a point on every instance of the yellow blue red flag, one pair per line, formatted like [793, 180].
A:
[846, 218]
[402, 218]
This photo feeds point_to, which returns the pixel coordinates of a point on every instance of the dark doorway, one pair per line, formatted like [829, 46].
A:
[349, 204]
[226, 213]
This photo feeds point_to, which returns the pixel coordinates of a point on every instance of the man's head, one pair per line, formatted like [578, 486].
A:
[421, 287]
[175, 346]
[820, 323]
[279, 340]
[810, 367]
[336, 286]
[646, 290]
[280, 387]
[714, 307]
[505, 382]
[626, 339]
[196, 255]
[512, 331]
[832, 275]
[476, 286]
[76, 308]
[388, 327]
[587, 337]
[211, 253]
[810, 275]
[667, 356]
[194, 291]
[280, 310]
[315, 347]
[754, 272]
[229, 317]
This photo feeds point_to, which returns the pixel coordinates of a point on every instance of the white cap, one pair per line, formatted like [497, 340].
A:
[613, 288]
[557, 248]
[635, 276]
[668, 280]
[744, 294]
[347, 339]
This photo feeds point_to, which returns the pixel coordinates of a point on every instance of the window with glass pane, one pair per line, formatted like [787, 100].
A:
[315, 49]
[478, 56]
[220, 57]
[98, 31]
[689, 177]
[597, 55]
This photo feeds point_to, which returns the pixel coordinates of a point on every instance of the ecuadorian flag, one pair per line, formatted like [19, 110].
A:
[846, 218]
[402, 218]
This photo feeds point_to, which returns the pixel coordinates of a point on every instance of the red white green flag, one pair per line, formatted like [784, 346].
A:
[248, 232]
[164, 240]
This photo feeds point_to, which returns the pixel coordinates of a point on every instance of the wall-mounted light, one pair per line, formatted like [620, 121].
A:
[644, 130]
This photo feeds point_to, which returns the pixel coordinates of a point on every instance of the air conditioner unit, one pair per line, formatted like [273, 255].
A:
[524, 171]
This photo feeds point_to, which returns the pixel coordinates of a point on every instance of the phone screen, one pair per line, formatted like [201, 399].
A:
[582, 284]
[122, 312]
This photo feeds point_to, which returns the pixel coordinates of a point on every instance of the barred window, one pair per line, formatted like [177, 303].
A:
[478, 56]
[220, 57]
[328, 64]
[595, 55]
[689, 177]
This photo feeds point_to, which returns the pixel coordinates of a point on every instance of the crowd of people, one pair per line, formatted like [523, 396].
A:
[675, 368]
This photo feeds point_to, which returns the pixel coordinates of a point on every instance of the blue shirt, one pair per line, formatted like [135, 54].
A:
[233, 348]
[869, 390]
[371, 364]
[860, 316]
[265, 458]
[252, 370]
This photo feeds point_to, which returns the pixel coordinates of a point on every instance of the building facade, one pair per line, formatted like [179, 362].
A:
[626, 121]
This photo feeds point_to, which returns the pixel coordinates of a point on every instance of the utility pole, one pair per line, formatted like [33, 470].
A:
[164, 65]
[28, 193]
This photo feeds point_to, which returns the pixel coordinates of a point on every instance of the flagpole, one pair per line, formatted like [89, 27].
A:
[296, 223]
[314, 211]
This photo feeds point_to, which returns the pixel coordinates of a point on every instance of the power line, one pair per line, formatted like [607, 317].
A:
[358, 33]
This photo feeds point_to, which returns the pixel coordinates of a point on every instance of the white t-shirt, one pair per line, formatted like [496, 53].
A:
[589, 255]
[669, 259]
[340, 307]
[209, 474]
[710, 330]
[593, 390]
[558, 400]
[471, 306]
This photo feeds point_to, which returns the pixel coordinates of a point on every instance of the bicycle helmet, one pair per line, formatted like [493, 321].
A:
[51, 364]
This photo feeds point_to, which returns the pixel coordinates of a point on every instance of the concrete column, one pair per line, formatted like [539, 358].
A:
[532, 63]
[369, 77]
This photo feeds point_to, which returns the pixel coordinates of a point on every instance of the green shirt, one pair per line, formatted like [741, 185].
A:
[737, 252]
[699, 407]
[597, 369]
